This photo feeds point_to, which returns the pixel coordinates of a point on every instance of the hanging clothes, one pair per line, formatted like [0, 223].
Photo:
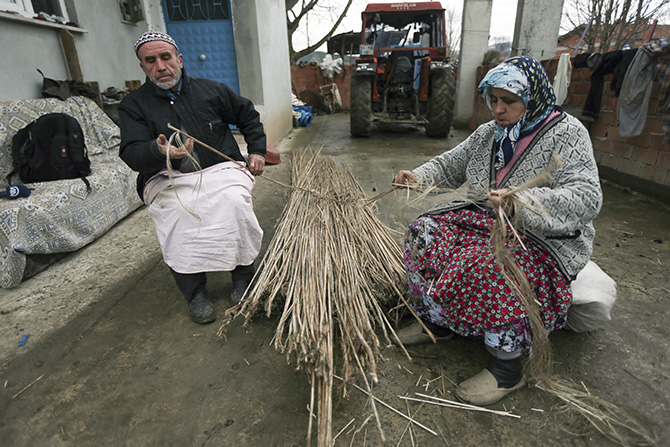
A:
[562, 78]
[619, 71]
[652, 58]
[587, 60]
[593, 61]
[579, 61]
[634, 99]
[612, 63]
[662, 51]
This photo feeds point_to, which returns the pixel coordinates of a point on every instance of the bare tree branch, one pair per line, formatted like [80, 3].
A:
[294, 24]
[302, 13]
[616, 23]
[452, 30]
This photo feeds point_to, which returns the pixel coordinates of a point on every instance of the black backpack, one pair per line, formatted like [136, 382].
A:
[50, 148]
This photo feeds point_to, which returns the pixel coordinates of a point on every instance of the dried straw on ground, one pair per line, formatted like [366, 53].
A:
[328, 267]
[330, 261]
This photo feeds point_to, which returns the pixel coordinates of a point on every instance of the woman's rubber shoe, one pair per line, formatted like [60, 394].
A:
[482, 389]
[415, 335]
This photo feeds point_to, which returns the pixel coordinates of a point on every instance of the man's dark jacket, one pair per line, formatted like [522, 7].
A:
[203, 109]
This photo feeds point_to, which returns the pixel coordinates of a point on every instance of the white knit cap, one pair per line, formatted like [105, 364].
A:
[151, 36]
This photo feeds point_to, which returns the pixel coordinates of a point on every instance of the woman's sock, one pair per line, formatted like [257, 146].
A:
[507, 372]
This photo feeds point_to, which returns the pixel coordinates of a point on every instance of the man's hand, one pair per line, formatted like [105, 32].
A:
[256, 164]
[404, 178]
[175, 152]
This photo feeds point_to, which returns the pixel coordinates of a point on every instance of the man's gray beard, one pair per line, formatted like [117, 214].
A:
[168, 85]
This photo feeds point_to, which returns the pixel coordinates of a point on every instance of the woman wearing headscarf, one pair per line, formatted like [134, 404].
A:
[453, 278]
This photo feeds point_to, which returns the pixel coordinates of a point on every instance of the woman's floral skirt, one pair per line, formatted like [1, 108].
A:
[456, 283]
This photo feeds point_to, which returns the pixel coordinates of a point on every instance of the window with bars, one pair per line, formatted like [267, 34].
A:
[193, 10]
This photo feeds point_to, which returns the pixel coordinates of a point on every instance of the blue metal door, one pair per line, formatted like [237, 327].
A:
[203, 30]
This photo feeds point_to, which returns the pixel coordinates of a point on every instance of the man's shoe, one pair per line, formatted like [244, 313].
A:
[239, 288]
[483, 389]
[241, 276]
[200, 308]
[415, 335]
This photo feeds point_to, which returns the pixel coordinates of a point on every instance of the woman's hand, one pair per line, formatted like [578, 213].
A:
[498, 199]
[404, 178]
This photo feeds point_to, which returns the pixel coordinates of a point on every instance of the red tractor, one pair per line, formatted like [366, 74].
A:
[403, 75]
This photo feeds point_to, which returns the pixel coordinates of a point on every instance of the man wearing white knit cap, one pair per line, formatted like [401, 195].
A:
[202, 209]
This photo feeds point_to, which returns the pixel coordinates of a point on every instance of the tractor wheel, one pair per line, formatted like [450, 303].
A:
[361, 106]
[441, 103]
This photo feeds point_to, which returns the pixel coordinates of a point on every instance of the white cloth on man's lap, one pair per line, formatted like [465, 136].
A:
[228, 233]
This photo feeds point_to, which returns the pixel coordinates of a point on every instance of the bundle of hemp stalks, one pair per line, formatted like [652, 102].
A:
[331, 259]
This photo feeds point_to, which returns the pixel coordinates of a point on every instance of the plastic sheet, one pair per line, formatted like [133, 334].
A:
[331, 66]
[593, 296]
[306, 116]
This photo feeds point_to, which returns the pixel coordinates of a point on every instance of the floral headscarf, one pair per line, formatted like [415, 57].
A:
[526, 78]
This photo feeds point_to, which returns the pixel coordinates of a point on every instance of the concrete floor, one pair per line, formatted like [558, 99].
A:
[112, 358]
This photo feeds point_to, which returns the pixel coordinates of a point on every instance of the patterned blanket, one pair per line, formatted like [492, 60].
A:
[61, 216]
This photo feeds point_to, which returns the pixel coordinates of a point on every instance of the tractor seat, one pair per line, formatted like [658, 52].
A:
[403, 66]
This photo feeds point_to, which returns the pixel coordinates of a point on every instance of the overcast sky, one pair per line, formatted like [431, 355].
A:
[502, 19]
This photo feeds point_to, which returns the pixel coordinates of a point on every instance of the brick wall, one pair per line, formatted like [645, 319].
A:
[307, 80]
[642, 162]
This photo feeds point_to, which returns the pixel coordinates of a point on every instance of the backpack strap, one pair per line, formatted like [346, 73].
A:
[86, 182]
[75, 141]
[10, 175]
[83, 179]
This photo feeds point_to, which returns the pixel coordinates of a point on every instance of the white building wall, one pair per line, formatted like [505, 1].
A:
[474, 43]
[23, 48]
[261, 46]
[105, 50]
[537, 28]
[106, 53]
